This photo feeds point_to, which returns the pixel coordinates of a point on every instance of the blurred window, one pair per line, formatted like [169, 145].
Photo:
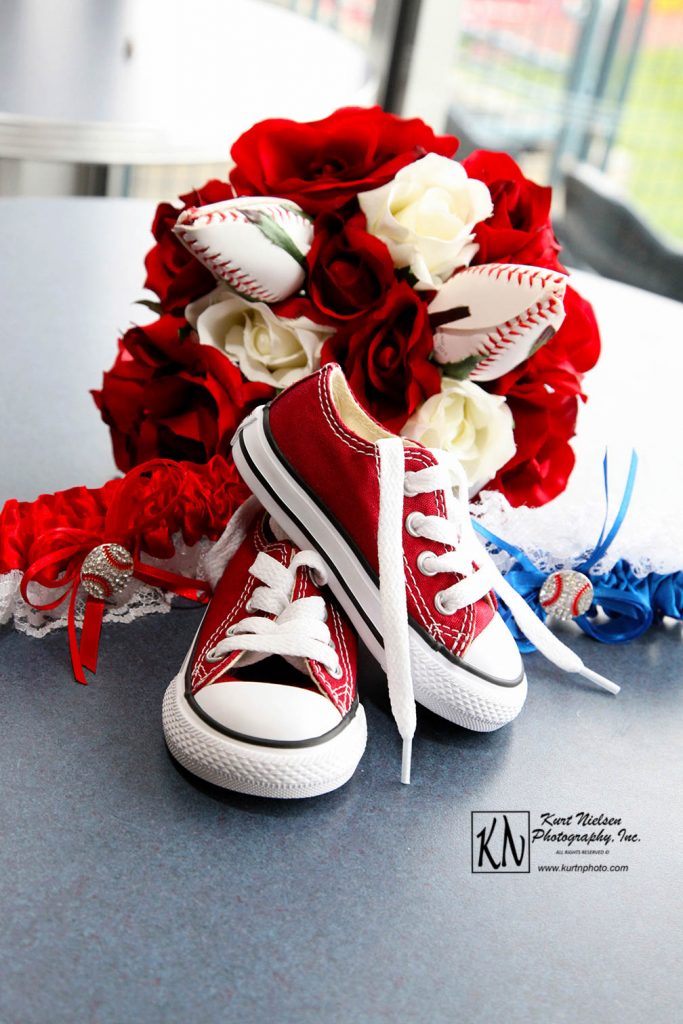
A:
[559, 82]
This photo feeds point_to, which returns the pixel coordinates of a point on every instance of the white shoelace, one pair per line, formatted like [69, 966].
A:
[299, 629]
[456, 531]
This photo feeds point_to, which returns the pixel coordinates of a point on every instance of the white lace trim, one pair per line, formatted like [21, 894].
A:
[634, 402]
[566, 530]
[134, 602]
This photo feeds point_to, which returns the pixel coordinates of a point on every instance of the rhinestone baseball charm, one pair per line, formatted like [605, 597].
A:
[106, 570]
[566, 594]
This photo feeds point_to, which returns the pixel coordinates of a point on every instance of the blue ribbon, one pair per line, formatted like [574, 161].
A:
[629, 603]
[604, 542]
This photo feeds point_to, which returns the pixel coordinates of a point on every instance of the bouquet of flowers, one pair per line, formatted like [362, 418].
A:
[436, 285]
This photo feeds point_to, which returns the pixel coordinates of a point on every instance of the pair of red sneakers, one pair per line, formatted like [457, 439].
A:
[352, 532]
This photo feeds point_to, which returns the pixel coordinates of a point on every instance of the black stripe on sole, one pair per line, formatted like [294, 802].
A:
[422, 632]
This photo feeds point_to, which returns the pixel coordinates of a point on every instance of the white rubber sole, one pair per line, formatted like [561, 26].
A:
[285, 773]
[447, 689]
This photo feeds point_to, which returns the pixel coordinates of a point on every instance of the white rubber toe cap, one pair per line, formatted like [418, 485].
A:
[495, 652]
[268, 711]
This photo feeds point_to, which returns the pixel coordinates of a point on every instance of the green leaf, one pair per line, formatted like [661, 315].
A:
[541, 340]
[405, 274]
[461, 370]
[275, 234]
[150, 304]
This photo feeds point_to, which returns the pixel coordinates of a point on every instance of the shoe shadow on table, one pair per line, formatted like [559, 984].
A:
[444, 754]
[372, 686]
[266, 806]
[439, 748]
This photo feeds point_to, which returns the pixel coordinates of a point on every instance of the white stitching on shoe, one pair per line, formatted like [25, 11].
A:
[353, 442]
[288, 628]
[414, 591]
[203, 674]
[200, 672]
[469, 588]
[347, 687]
[460, 637]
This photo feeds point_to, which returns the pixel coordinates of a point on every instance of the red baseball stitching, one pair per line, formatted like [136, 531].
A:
[226, 270]
[491, 347]
[582, 591]
[100, 581]
[196, 216]
[199, 217]
[114, 561]
[557, 584]
[223, 268]
[497, 270]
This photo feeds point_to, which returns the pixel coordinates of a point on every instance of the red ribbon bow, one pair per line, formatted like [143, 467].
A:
[58, 555]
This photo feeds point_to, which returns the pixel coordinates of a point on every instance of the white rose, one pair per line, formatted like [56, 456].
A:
[466, 420]
[266, 347]
[425, 217]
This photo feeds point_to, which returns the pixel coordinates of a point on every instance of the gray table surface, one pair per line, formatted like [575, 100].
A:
[129, 892]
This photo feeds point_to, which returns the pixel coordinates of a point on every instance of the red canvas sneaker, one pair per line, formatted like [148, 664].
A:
[390, 518]
[266, 701]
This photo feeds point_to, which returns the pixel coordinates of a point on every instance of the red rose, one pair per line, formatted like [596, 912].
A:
[296, 306]
[172, 398]
[542, 464]
[385, 356]
[349, 270]
[173, 273]
[520, 230]
[543, 396]
[323, 164]
[575, 348]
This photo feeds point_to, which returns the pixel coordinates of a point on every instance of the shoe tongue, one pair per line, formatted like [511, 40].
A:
[303, 587]
[297, 663]
[248, 658]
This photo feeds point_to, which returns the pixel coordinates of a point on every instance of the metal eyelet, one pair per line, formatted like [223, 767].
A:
[212, 656]
[440, 604]
[231, 629]
[411, 523]
[337, 672]
[423, 560]
[249, 607]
